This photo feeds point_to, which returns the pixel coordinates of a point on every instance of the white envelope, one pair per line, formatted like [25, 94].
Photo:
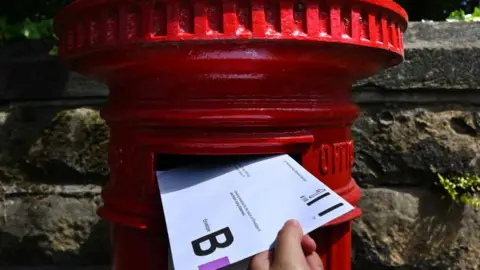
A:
[220, 214]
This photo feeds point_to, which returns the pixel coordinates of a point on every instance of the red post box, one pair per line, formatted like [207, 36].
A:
[192, 79]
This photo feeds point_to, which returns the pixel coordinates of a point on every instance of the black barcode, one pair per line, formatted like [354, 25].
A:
[330, 209]
[318, 198]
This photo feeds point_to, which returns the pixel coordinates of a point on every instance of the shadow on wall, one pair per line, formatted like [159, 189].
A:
[97, 249]
[27, 75]
[28, 72]
[436, 230]
[53, 145]
[42, 140]
[412, 229]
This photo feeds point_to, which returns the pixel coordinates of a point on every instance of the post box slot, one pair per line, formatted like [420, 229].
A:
[165, 162]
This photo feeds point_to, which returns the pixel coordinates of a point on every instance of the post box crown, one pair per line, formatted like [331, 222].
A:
[86, 26]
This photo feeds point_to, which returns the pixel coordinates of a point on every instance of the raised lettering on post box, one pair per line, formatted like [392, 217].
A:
[336, 159]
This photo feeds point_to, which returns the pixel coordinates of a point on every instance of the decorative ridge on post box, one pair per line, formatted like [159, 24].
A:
[88, 26]
[198, 78]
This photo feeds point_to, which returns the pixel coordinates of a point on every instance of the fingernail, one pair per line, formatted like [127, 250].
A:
[292, 222]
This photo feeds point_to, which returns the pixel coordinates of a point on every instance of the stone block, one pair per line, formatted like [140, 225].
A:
[53, 144]
[412, 228]
[438, 55]
[44, 224]
[408, 145]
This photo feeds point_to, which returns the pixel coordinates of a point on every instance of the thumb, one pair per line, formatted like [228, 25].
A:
[288, 249]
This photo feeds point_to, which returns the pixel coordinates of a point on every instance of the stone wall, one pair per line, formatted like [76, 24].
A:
[420, 117]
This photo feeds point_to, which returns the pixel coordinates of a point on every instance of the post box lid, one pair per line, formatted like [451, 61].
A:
[86, 26]
[99, 36]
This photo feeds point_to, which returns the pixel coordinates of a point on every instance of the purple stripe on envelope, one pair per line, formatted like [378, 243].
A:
[213, 265]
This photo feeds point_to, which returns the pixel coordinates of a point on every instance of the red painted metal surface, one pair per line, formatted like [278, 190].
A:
[226, 77]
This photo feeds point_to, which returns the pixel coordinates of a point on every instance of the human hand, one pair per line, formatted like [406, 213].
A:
[293, 251]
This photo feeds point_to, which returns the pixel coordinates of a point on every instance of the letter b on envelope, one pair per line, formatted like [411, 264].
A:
[214, 244]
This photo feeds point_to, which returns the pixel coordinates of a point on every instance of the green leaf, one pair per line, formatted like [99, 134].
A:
[476, 12]
[30, 30]
[457, 14]
[464, 189]
[53, 51]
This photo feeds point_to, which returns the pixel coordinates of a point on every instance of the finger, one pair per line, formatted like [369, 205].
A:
[314, 261]
[261, 261]
[288, 247]
[308, 244]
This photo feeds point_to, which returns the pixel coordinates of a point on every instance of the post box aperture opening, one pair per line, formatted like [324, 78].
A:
[164, 162]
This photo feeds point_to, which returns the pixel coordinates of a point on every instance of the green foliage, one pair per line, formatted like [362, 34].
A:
[436, 10]
[459, 15]
[27, 29]
[17, 11]
[463, 189]
[53, 51]
[476, 12]
[29, 19]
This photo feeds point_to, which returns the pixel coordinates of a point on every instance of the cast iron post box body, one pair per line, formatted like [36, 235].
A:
[226, 77]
